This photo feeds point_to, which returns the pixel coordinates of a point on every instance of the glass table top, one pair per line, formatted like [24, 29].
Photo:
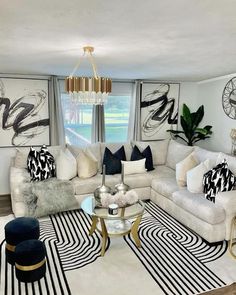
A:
[89, 206]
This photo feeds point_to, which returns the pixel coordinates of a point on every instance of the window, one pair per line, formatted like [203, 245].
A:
[117, 111]
[78, 118]
[77, 121]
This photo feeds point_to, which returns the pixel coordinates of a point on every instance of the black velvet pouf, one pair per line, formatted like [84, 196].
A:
[30, 261]
[18, 230]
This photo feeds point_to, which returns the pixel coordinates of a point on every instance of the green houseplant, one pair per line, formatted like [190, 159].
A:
[189, 123]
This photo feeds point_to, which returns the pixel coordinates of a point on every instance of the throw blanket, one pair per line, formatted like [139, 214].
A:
[49, 197]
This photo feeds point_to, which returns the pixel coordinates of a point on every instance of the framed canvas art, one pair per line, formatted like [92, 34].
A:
[159, 109]
[24, 114]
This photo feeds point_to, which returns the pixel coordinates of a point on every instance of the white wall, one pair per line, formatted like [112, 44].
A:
[188, 95]
[210, 95]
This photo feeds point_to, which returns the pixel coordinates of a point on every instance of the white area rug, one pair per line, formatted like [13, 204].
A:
[172, 260]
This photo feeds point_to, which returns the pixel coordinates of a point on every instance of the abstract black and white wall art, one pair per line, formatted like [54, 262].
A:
[24, 114]
[159, 109]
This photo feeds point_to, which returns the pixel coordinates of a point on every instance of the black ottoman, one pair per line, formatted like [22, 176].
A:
[30, 261]
[18, 230]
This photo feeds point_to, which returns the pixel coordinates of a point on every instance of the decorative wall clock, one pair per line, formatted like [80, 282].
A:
[229, 98]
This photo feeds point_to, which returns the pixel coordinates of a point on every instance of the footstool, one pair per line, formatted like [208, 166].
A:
[30, 261]
[18, 230]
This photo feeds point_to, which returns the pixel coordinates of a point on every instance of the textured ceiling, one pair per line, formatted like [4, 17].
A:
[188, 40]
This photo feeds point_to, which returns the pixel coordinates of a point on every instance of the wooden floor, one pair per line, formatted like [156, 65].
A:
[5, 209]
[5, 205]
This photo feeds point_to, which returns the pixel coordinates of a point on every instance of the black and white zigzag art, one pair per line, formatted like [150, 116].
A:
[175, 257]
[218, 179]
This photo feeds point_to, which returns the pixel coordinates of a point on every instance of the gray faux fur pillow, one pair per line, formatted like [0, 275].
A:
[49, 197]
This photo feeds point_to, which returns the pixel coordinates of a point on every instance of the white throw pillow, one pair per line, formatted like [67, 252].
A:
[66, 165]
[195, 176]
[183, 167]
[134, 167]
[87, 164]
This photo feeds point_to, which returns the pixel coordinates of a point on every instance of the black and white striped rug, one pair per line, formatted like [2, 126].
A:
[176, 258]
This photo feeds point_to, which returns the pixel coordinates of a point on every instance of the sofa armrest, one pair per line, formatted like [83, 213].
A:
[228, 201]
[19, 179]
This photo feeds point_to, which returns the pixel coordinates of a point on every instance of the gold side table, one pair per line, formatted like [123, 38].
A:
[232, 241]
[114, 225]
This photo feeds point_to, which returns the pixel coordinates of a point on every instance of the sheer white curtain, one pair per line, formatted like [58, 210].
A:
[57, 132]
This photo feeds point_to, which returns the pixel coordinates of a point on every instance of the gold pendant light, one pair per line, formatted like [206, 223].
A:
[88, 90]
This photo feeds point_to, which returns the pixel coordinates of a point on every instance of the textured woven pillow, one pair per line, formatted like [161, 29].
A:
[134, 167]
[218, 179]
[41, 164]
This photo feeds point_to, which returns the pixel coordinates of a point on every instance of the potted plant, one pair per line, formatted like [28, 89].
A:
[189, 123]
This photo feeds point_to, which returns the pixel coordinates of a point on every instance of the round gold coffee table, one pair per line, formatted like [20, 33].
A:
[126, 221]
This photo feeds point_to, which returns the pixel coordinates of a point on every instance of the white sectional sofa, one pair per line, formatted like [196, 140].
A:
[209, 220]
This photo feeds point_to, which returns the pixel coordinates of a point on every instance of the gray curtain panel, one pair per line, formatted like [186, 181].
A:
[134, 130]
[98, 124]
[57, 131]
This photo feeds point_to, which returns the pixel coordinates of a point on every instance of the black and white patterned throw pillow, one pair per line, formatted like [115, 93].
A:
[218, 179]
[41, 164]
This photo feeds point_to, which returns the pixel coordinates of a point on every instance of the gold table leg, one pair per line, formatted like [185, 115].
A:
[122, 213]
[104, 236]
[231, 243]
[134, 231]
[94, 224]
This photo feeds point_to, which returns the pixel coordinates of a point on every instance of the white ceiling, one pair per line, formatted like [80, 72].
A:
[181, 40]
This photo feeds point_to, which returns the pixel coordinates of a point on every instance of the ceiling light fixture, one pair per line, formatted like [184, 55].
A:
[88, 90]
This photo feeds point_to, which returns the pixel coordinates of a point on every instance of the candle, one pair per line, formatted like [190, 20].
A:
[113, 209]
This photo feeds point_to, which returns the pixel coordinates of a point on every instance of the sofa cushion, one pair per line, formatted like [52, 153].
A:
[202, 155]
[93, 148]
[183, 167]
[195, 177]
[41, 164]
[22, 154]
[159, 149]
[218, 179]
[66, 165]
[86, 164]
[134, 167]
[197, 205]
[231, 161]
[113, 147]
[165, 186]
[146, 153]
[138, 180]
[176, 153]
[112, 161]
[162, 171]
[88, 185]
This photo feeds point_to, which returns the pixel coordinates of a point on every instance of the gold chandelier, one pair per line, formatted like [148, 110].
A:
[88, 90]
